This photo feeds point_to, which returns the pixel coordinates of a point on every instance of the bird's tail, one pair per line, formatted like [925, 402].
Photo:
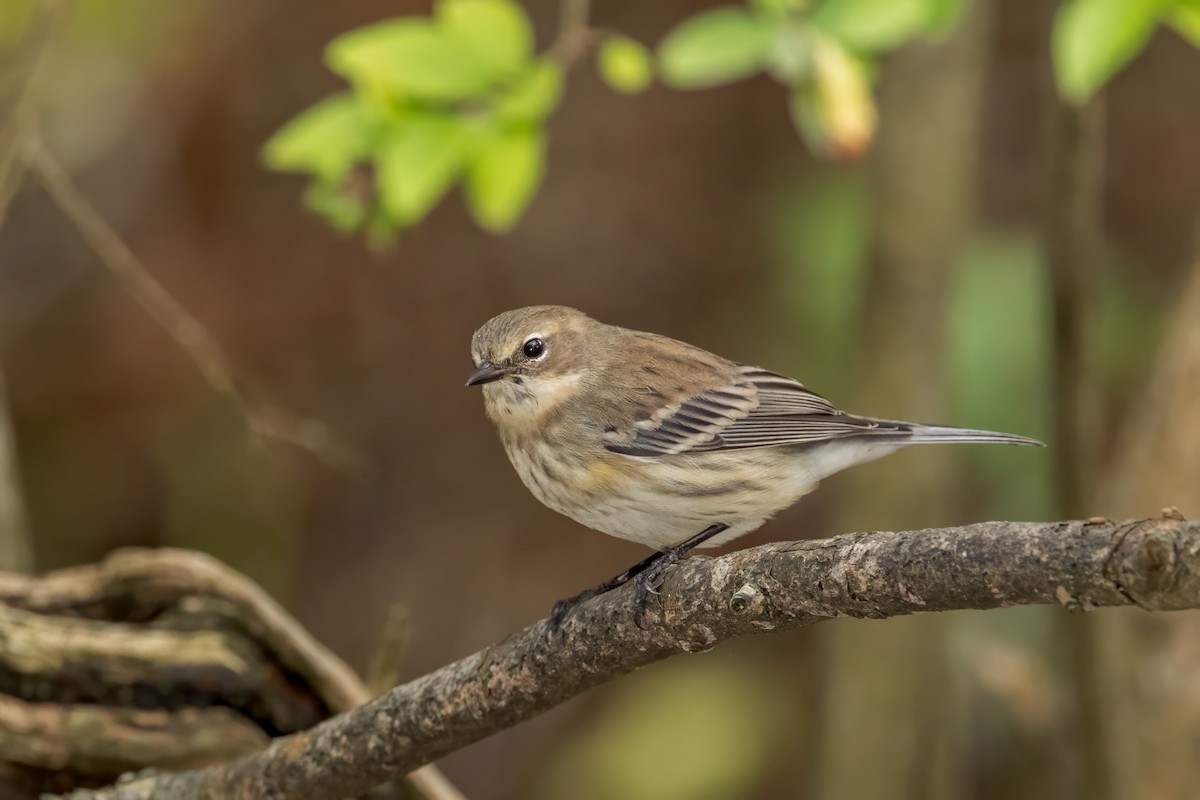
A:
[937, 434]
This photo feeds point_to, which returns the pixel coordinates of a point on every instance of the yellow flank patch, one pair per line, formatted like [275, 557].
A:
[602, 475]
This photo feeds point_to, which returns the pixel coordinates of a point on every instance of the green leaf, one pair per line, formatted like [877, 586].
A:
[340, 208]
[789, 57]
[873, 25]
[380, 233]
[1184, 18]
[942, 15]
[533, 95]
[625, 65]
[417, 163]
[14, 20]
[777, 8]
[411, 57]
[325, 139]
[1093, 39]
[505, 171]
[805, 111]
[496, 32]
[714, 48]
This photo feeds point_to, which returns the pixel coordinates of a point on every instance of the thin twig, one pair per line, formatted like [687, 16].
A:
[17, 111]
[192, 337]
[383, 670]
[16, 540]
[1154, 564]
[112, 251]
[574, 33]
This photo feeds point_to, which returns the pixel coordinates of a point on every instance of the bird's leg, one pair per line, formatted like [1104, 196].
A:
[654, 566]
[563, 607]
[650, 577]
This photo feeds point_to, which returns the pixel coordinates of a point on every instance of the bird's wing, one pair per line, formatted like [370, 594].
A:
[757, 408]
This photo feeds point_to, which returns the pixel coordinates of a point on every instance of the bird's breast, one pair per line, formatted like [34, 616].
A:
[566, 478]
[655, 501]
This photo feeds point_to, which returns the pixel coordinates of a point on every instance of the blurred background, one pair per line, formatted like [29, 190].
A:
[996, 260]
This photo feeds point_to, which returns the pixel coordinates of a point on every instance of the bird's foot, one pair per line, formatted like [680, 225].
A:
[647, 574]
[650, 578]
[648, 582]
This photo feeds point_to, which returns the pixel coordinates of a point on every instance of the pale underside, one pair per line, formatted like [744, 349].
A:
[735, 454]
[666, 500]
[664, 462]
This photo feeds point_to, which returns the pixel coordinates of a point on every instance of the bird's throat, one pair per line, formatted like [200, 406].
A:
[524, 401]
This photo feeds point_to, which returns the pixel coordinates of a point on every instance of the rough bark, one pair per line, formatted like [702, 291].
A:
[157, 658]
[1152, 563]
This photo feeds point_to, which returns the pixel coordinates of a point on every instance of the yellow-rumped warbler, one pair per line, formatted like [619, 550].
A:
[653, 440]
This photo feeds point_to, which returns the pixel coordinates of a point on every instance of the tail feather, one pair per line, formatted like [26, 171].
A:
[939, 434]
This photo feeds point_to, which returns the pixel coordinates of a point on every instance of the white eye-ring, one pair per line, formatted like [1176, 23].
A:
[534, 347]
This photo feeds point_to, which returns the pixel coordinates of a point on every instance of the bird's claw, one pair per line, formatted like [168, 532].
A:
[647, 577]
[647, 584]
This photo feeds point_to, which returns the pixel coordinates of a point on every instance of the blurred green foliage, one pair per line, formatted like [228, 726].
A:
[229, 497]
[817, 232]
[718, 47]
[460, 97]
[1094, 39]
[872, 26]
[457, 97]
[1184, 18]
[14, 19]
[998, 370]
[997, 363]
[720, 729]
[625, 64]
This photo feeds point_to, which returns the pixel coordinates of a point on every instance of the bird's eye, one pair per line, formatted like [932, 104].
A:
[533, 348]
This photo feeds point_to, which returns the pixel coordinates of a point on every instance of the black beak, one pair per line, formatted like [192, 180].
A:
[486, 373]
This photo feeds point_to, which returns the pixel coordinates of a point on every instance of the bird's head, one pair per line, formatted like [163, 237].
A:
[530, 359]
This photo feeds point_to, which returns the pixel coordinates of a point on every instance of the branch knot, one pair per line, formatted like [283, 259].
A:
[1157, 563]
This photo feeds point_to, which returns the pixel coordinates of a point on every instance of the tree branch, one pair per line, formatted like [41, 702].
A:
[164, 657]
[1154, 564]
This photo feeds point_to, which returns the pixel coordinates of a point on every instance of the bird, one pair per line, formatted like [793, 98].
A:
[653, 440]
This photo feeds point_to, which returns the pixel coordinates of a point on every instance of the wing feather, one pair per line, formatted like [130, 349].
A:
[757, 408]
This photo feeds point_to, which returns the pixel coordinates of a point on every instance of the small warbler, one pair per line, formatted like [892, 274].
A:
[653, 440]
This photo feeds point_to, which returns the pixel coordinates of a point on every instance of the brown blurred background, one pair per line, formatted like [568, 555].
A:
[699, 215]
